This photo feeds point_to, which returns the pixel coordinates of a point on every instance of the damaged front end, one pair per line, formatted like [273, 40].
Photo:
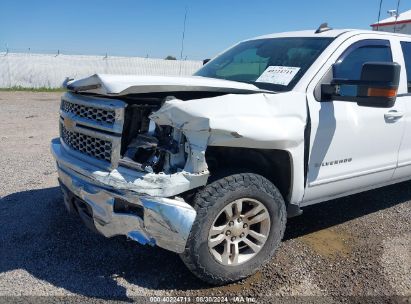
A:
[124, 174]
[130, 158]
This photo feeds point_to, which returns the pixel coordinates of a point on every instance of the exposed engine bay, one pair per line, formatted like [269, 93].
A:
[149, 147]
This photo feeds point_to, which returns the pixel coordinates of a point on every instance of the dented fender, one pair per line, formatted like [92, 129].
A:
[258, 121]
[266, 121]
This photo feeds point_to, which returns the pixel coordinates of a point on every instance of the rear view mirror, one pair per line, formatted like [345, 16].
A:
[377, 87]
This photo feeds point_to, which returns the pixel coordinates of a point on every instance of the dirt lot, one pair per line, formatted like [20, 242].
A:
[358, 247]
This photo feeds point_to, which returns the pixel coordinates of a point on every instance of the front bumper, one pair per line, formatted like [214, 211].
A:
[163, 221]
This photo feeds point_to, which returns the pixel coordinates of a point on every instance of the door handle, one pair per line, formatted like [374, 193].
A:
[393, 115]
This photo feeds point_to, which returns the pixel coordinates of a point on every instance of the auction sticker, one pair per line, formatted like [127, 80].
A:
[281, 75]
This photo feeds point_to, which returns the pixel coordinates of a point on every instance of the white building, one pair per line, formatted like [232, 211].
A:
[396, 24]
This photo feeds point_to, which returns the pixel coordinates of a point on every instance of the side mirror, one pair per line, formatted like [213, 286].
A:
[205, 61]
[377, 87]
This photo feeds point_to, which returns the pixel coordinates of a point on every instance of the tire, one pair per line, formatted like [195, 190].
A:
[210, 204]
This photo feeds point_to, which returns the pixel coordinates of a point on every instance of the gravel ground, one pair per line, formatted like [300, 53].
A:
[356, 248]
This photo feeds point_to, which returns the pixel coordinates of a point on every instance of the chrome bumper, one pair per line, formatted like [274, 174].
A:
[163, 222]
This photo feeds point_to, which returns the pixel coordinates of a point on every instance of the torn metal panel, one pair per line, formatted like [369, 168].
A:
[156, 185]
[166, 222]
[103, 84]
[164, 185]
[265, 121]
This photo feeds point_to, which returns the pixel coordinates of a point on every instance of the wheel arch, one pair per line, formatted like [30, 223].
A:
[275, 165]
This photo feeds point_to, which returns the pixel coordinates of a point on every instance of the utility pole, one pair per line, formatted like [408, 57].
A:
[184, 33]
[396, 15]
[379, 16]
[182, 41]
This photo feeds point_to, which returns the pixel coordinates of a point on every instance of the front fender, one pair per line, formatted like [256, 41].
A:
[259, 121]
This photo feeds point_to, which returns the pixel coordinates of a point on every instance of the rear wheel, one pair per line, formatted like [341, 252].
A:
[239, 225]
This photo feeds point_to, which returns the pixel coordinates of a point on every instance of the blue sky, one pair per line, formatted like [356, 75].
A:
[141, 27]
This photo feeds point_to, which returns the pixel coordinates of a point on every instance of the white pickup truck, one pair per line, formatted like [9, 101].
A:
[210, 166]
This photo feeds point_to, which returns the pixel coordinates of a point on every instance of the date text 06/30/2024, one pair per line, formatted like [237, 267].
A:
[203, 299]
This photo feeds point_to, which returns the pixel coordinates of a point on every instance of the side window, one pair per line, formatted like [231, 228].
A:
[406, 50]
[350, 64]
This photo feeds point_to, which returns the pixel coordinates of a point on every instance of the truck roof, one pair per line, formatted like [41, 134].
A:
[329, 33]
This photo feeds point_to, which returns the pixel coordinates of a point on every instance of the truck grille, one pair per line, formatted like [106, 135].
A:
[94, 147]
[92, 126]
[92, 113]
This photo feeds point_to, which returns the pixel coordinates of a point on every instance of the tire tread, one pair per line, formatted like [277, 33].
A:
[205, 200]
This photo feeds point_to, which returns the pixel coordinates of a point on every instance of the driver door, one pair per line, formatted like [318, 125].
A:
[352, 147]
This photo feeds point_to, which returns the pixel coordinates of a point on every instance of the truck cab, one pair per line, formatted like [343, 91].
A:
[211, 166]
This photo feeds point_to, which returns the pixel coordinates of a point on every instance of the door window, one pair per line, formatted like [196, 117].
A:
[350, 64]
[406, 50]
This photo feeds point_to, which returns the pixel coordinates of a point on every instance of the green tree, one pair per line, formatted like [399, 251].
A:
[170, 58]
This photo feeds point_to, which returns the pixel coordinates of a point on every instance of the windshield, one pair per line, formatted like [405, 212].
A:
[275, 64]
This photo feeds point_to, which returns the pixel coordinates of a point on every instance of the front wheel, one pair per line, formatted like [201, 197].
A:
[240, 223]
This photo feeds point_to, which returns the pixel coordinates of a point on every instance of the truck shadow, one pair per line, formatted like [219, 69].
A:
[328, 214]
[41, 239]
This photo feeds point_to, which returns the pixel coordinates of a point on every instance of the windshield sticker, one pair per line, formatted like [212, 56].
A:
[280, 75]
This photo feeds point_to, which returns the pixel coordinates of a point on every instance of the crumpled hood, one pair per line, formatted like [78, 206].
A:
[104, 84]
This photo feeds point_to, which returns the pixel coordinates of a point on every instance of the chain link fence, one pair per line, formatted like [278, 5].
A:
[29, 70]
